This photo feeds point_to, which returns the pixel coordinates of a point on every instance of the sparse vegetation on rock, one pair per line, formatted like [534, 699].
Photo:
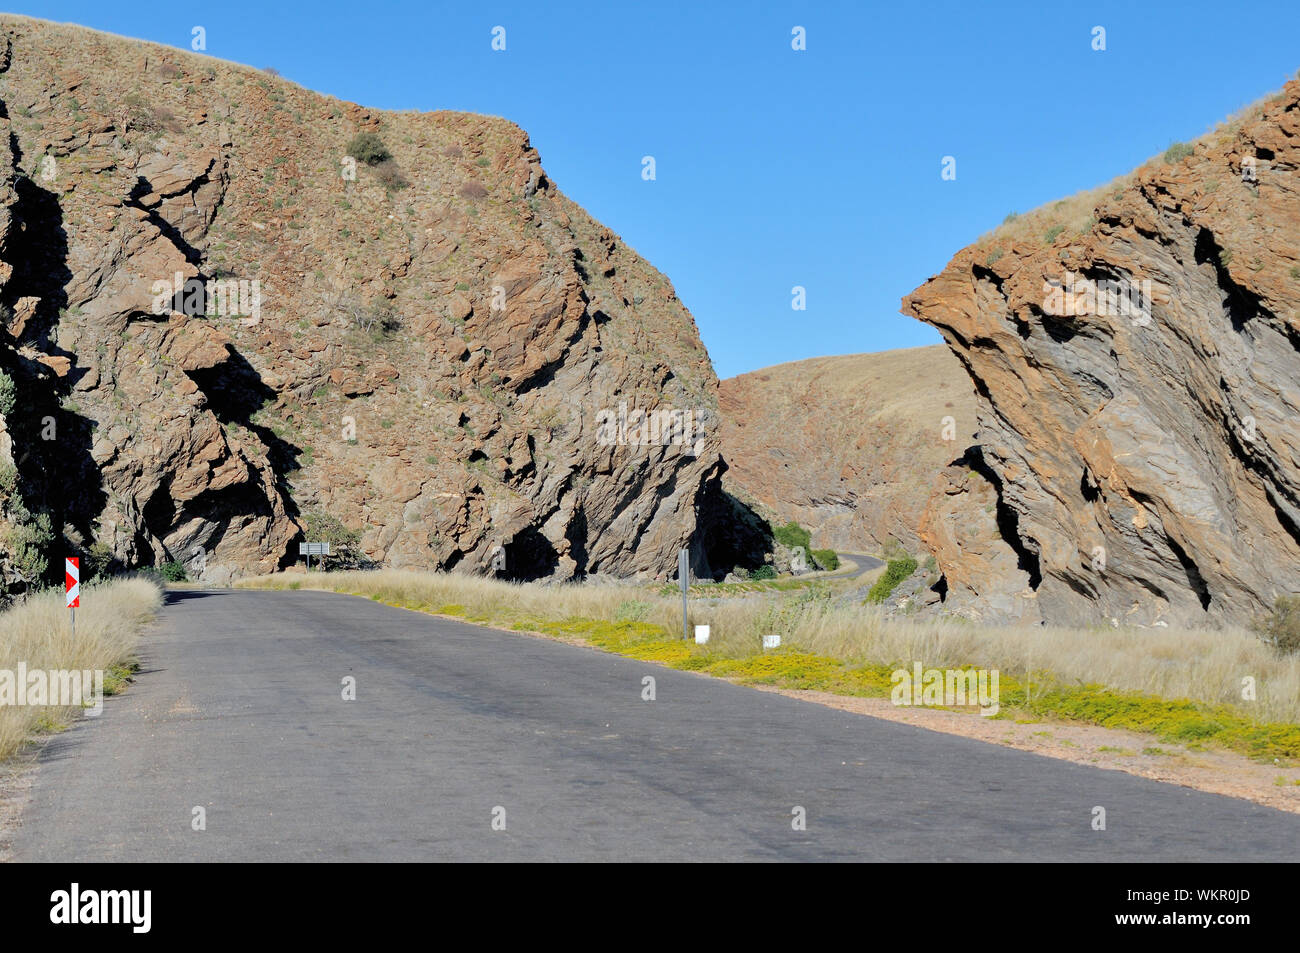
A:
[1182, 479]
[208, 428]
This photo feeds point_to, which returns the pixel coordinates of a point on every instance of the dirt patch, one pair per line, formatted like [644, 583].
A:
[17, 776]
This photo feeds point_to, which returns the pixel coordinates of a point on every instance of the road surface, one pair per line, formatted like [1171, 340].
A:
[239, 711]
[865, 563]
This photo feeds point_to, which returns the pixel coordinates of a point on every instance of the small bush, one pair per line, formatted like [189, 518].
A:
[321, 527]
[1052, 233]
[30, 542]
[1282, 626]
[368, 148]
[895, 572]
[173, 571]
[763, 572]
[148, 118]
[98, 562]
[473, 190]
[390, 176]
[8, 394]
[1178, 151]
[792, 535]
[826, 559]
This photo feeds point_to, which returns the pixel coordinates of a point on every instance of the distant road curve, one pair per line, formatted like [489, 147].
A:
[865, 563]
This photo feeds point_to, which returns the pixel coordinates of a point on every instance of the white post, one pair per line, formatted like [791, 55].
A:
[684, 577]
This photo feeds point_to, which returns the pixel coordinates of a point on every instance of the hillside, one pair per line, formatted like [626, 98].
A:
[846, 446]
[1139, 451]
[427, 335]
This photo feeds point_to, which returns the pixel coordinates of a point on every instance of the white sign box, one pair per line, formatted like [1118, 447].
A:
[701, 634]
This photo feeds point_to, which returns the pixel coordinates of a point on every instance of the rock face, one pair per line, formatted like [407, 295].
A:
[223, 327]
[846, 446]
[1138, 455]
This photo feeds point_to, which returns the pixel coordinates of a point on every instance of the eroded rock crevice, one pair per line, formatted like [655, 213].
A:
[1149, 457]
[421, 372]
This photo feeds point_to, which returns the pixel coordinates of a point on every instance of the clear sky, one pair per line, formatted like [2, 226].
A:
[776, 168]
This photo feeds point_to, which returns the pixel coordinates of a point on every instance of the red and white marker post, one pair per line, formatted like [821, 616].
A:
[72, 579]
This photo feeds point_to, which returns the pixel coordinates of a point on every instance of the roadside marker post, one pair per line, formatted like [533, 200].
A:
[72, 582]
[684, 578]
[313, 549]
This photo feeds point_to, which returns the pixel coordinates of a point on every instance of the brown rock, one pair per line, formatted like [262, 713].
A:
[211, 429]
[1143, 455]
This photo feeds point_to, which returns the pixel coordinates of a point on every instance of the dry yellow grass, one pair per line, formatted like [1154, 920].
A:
[1203, 666]
[36, 632]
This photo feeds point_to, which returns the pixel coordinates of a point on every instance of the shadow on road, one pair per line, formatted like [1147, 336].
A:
[173, 596]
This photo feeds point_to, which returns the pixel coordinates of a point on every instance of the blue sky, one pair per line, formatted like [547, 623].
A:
[778, 168]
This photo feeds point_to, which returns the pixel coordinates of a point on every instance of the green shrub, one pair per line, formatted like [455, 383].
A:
[173, 571]
[1178, 151]
[763, 572]
[895, 572]
[30, 538]
[98, 562]
[1052, 233]
[8, 394]
[826, 559]
[792, 535]
[321, 527]
[368, 148]
[1282, 625]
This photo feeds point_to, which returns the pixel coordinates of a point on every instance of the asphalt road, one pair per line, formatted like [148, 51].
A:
[865, 563]
[238, 710]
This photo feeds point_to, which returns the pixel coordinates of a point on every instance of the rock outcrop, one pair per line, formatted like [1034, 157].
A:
[1138, 379]
[846, 446]
[223, 326]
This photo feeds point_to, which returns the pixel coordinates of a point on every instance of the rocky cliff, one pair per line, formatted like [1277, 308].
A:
[846, 446]
[1137, 370]
[229, 313]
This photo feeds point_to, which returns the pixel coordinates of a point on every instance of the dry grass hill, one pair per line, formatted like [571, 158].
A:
[847, 446]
